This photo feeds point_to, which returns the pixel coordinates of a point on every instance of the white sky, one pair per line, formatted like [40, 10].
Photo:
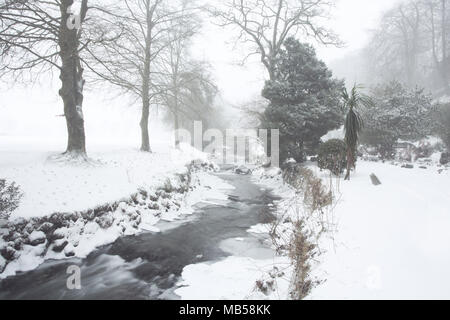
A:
[34, 110]
[352, 20]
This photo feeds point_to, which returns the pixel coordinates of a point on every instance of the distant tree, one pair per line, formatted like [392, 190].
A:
[395, 46]
[304, 100]
[189, 89]
[134, 62]
[266, 24]
[353, 123]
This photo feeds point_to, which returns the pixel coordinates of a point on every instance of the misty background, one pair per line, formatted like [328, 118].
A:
[35, 110]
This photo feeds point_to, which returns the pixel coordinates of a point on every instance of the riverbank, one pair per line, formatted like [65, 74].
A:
[98, 211]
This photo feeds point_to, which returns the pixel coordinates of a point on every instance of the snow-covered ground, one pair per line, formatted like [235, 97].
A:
[392, 240]
[116, 171]
[237, 277]
[110, 181]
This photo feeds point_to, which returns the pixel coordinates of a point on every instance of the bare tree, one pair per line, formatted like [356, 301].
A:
[41, 36]
[266, 24]
[133, 62]
[437, 26]
[189, 88]
[397, 43]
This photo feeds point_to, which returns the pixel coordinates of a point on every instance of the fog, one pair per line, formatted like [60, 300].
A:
[109, 115]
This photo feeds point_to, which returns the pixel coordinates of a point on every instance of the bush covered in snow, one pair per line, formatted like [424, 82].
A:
[10, 196]
[398, 114]
[332, 156]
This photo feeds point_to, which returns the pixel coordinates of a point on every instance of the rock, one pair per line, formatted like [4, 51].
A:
[2, 264]
[18, 244]
[106, 221]
[36, 238]
[60, 245]
[69, 251]
[61, 220]
[243, 170]
[91, 228]
[59, 234]
[9, 253]
[153, 206]
[123, 207]
[375, 180]
[46, 227]
[408, 166]
[29, 228]
[445, 158]
[12, 236]
[423, 167]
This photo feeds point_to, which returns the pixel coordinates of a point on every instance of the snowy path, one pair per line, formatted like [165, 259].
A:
[393, 241]
[149, 266]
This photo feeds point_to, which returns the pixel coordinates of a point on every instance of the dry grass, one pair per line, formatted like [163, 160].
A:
[298, 231]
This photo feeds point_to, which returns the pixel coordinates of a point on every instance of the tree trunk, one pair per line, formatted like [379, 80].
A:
[72, 84]
[145, 137]
[145, 145]
[177, 127]
[350, 164]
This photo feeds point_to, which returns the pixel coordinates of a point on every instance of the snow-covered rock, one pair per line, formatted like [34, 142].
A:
[36, 238]
[2, 264]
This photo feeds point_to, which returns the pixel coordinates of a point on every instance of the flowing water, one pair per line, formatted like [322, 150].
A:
[149, 265]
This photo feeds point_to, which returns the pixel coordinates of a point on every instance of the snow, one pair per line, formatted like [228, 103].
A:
[392, 241]
[111, 174]
[37, 236]
[233, 278]
[115, 172]
[260, 229]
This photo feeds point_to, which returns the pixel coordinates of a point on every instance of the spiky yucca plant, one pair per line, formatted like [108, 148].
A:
[354, 123]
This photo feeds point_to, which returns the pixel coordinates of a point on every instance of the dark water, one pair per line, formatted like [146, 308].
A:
[149, 265]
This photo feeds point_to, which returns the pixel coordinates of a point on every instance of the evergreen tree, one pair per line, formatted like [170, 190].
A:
[304, 100]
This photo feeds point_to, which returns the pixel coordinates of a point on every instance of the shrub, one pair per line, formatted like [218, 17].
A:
[333, 156]
[398, 113]
[10, 196]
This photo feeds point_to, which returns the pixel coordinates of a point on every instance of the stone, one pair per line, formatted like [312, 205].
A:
[3, 264]
[106, 221]
[36, 238]
[60, 245]
[375, 180]
[9, 253]
[46, 227]
[408, 166]
[243, 170]
[69, 251]
[59, 234]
